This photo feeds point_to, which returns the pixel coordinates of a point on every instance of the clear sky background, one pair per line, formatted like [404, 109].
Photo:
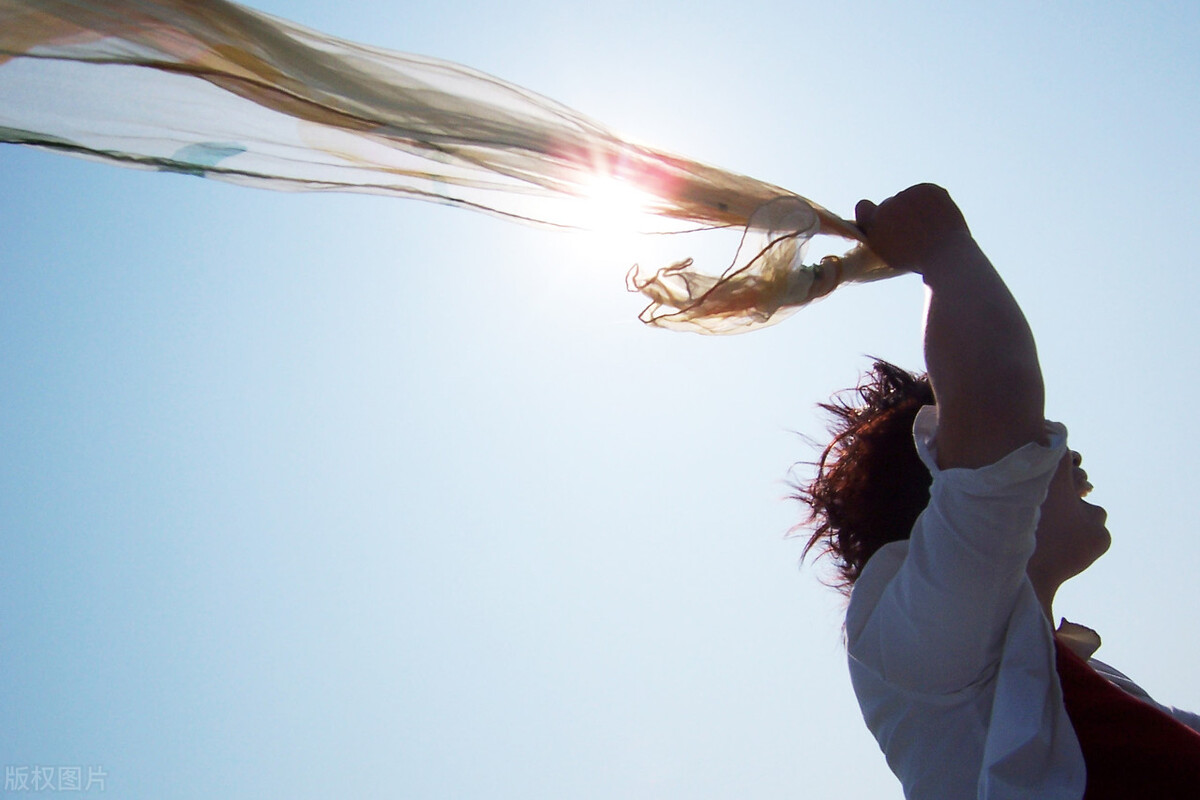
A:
[326, 495]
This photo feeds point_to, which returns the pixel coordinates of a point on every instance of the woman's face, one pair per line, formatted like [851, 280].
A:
[1071, 532]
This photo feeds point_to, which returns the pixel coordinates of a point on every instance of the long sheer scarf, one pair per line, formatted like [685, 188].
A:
[218, 90]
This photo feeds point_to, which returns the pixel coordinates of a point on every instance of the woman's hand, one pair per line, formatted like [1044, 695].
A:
[916, 229]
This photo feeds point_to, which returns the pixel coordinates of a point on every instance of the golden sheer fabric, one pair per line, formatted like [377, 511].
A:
[214, 89]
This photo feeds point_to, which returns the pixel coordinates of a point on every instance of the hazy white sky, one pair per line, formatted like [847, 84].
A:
[320, 495]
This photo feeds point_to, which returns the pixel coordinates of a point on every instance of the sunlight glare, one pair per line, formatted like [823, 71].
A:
[614, 217]
[614, 206]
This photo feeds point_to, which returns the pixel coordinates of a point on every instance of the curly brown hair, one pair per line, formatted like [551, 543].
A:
[870, 485]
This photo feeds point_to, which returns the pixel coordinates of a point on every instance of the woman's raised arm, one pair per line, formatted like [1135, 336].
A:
[979, 350]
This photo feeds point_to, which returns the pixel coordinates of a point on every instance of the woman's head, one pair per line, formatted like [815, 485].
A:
[870, 485]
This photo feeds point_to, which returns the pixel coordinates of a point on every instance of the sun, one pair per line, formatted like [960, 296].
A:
[614, 206]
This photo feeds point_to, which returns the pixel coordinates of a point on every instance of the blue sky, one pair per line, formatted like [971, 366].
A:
[335, 495]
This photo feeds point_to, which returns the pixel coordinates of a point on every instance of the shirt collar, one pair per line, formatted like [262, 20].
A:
[1082, 640]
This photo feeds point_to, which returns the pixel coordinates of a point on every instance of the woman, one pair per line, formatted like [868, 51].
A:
[955, 511]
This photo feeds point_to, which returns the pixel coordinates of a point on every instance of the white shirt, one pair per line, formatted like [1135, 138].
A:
[950, 654]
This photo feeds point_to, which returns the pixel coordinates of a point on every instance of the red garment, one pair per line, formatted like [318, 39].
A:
[1132, 750]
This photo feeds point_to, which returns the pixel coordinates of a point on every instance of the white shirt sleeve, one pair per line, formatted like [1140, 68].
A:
[931, 616]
